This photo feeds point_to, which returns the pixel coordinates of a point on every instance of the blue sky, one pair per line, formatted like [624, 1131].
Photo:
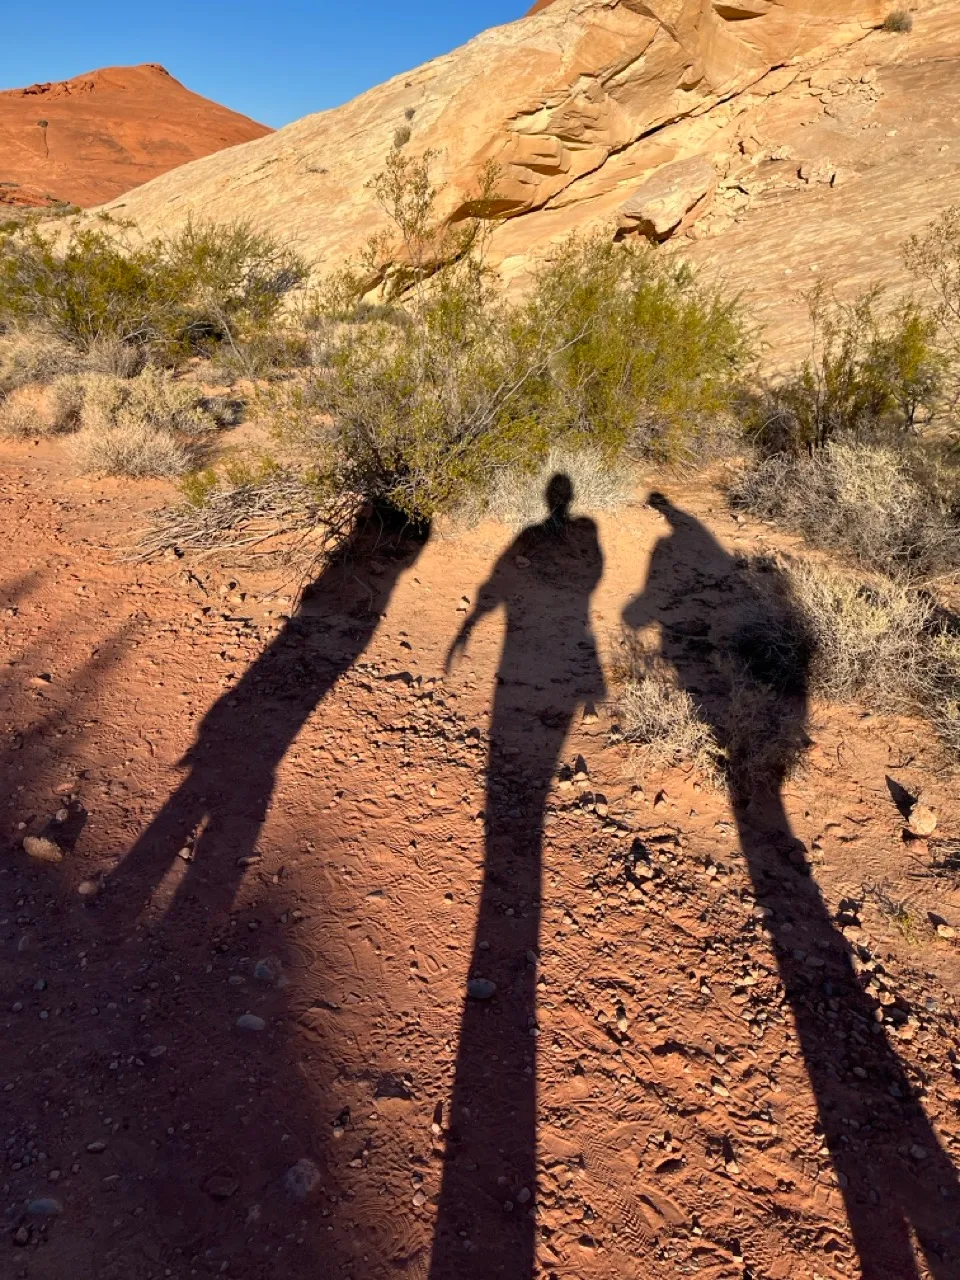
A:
[275, 60]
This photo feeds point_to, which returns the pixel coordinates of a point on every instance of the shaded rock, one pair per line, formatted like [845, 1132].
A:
[481, 989]
[662, 203]
[302, 1178]
[221, 1186]
[44, 1207]
[250, 1022]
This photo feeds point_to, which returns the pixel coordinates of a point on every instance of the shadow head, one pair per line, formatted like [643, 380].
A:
[558, 496]
[660, 502]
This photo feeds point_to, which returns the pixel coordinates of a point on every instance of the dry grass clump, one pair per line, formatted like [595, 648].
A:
[516, 499]
[858, 499]
[150, 425]
[131, 447]
[19, 418]
[814, 629]
[30, 355]
[898, 21]
[660, 719]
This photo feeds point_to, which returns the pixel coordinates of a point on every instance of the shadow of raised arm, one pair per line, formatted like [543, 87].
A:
[489, 597]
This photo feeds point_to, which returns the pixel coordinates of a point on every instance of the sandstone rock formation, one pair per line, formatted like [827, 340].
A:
[88, 139]
[779, 142]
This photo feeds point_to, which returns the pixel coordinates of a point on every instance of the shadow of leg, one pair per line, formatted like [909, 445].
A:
[899, 1188]
[485, 1222]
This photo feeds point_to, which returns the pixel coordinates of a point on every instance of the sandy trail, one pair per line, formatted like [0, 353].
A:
[306, 820]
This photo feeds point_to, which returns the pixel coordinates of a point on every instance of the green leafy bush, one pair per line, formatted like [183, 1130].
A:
[186, 293]
[432, 384]
[644, 357]
[872, 376]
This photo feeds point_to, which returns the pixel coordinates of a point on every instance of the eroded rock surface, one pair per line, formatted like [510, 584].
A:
[778, 145]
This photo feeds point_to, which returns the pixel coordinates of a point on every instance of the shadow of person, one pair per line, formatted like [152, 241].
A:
[897, 1183]
[216, 813]
[548, 667]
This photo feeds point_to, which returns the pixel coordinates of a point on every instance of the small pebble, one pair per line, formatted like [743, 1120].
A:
[481, 989]
[302, 1178]
[250, 1022]
[44, 1207]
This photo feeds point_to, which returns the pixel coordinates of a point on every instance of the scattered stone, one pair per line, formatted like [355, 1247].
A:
[419, 1199]
[42, 849]
[922, 821]
[481, 989]
[946, 931]
[250, 1022]
[44, 1207]
[523, 1195]
[267, 969]
[221, 1186]
[21, 1236]
[302, 1178]
[88, 888]
[96, 1147]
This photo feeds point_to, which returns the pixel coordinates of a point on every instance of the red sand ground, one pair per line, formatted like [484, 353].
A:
[291, 817]
[105, 132]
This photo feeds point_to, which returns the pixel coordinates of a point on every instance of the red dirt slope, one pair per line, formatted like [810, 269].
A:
[89, 139]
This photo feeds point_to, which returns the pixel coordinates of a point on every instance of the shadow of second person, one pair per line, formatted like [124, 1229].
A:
[216, 814]
[900, 1189]
[548, 667]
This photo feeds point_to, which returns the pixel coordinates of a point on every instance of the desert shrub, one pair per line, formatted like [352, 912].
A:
[181, 294]
[65, 401]
[131, 448]
[645, 357]
[872, 375]
[19, 418]
[103, 398]
[862, 500]
[423, 416]
[155, 398]
[150, 425]
[33, 356]
[899, 21]
[446, 385]
[660, 719]
[821, 631]
[265, 353]
[112, 356]
[516, 497]
[942, 701]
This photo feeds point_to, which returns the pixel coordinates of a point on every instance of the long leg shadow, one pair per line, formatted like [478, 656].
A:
[216, 814]
[548, 666]
[898, 1185]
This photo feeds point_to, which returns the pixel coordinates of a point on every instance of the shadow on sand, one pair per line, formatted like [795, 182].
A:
[543, 582]
[899, 1188]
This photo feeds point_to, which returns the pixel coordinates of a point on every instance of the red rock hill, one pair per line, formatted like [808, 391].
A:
[89, 139]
